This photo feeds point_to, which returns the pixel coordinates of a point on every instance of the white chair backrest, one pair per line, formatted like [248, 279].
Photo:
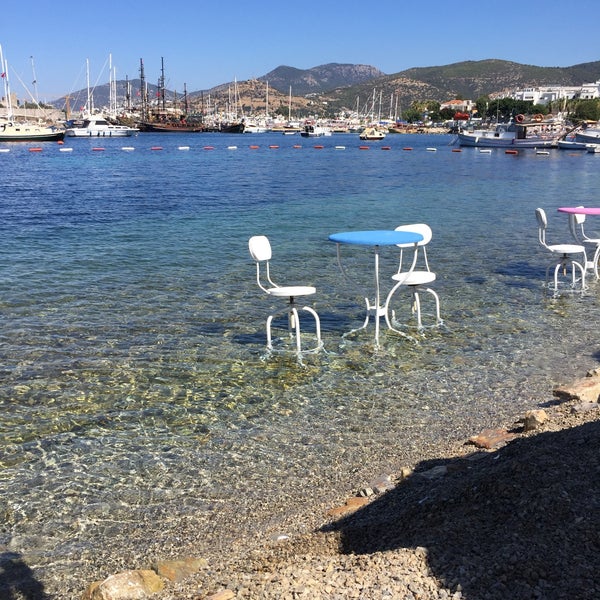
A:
[260, 248]
[421, 228]
[427, 234]
[579, 218]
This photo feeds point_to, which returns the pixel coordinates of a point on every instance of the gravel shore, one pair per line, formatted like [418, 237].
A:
[520, 522]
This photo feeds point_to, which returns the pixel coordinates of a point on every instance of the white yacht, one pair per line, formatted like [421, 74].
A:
[98, 127]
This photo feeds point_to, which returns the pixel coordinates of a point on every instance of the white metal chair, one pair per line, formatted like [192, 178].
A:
[417, 277]
[577, 227]
[260, 250]
[566, 253]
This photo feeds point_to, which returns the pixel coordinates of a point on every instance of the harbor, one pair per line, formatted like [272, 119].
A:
[143, 420]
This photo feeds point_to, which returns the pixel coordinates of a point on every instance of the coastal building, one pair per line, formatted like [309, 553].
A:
[547, 94]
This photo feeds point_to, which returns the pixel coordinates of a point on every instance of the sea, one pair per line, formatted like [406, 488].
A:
[141, 415]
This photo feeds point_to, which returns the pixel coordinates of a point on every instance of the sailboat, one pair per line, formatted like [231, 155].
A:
[10, 131]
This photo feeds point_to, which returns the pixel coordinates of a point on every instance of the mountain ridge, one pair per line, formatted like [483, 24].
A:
[340, 85]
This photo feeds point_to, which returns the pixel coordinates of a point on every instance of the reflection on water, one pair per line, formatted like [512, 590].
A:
[136, 404]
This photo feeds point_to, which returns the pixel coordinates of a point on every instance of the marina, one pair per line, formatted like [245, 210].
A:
[141, 417]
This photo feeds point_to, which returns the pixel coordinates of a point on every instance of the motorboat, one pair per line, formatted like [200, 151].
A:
[371, 133]
[97, 127]
[312, 130]
[515, 134]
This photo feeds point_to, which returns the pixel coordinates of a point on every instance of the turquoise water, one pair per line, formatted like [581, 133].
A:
[138, 409]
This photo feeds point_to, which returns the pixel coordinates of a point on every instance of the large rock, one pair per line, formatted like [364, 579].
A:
[128, 585]
[586, 390]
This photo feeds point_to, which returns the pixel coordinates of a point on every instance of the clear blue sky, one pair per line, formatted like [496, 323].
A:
[208, 42]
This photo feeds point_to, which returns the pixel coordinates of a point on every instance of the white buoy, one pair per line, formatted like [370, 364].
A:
[128, 148]
[231, 147]
[183, 148]
[340, 147]
[431, 149]
[66, 150]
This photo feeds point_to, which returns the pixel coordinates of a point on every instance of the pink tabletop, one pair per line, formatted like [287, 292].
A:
[580, 210]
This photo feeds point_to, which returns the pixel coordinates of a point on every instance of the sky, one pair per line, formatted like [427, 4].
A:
[205, 43]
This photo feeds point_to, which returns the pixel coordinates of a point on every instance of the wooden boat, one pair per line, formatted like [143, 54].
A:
[171, 127]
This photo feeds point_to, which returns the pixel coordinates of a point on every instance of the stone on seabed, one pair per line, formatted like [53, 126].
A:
[128, 585]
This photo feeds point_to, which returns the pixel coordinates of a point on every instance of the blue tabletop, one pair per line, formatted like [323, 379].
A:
[380, 237]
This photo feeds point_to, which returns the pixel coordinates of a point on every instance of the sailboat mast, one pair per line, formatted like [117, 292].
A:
[87, 80]
[34, 82]
[161, 83]
[267, 102]
[185, 99]
[4, 72]
[143, 91]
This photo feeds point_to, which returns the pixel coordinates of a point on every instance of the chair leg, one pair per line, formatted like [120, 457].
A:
[269, 340]
[295, 324]
[313, 312]
[417, 307]
[438, 316]
[596, 259]
[582, 271]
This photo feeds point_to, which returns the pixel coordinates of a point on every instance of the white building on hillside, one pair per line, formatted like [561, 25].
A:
[552, 93]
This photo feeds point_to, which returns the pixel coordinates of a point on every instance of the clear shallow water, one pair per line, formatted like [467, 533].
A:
[137, 412]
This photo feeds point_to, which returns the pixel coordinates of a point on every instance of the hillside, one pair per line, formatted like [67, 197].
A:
[346, 86]
[469, 79]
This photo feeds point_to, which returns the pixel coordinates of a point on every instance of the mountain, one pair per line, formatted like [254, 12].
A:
[346, 85]
[468, 79]
[319, 79]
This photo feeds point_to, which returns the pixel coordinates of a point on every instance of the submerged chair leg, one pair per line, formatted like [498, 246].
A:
[313, 312]
[294, 328]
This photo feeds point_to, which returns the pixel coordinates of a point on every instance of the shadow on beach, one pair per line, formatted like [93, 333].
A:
[521, 522]
[17, 581]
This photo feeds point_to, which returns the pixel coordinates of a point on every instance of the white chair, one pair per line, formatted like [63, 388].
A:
[577, 227]
[260, 250]
[566, 253]
[417, 277]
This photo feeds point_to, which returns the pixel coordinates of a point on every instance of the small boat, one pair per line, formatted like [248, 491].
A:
[371, 133]
[588, 136]
[571, 145]
[97, 127]
[508, 135]
[312, 130]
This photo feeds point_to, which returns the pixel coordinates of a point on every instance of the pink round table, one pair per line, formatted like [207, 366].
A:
[580, 210]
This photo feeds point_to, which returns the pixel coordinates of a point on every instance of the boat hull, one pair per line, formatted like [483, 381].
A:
[489, 141]
[99, 133]
[169, 128]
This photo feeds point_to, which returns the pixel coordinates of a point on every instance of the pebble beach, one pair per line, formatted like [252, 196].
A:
[511, 513]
